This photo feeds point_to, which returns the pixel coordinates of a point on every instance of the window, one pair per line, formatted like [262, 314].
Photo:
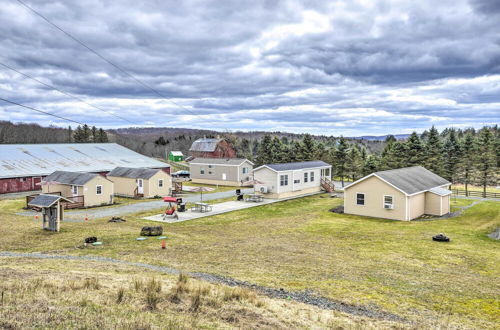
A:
[209, 166]
[160, 183]
[22, 179]
[245, 170]
[296, 181]
[283, 180]
[210, 172]
[202, 170]
[327, 172]
[311, 177]
[74, 190]
[360, 199]
[98, 190]
[306, 177]
[388, 204]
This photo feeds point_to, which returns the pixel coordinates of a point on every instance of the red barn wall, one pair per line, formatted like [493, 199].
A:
[13, 185]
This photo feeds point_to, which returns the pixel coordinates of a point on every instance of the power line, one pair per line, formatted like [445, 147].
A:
[107, 60]
[66, 93]
[41, 111]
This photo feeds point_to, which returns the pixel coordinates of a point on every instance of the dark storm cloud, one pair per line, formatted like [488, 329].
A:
[343, 66]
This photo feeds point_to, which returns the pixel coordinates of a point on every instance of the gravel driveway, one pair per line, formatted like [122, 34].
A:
[105, 212]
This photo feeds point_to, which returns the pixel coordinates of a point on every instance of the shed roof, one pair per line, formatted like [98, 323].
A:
[219, 161]
[205, 145]
[409, 180]
[24, 160]
[176, 153]
[440, 191]
[43, 200]
[134, 173]
[296, 165]
[72, 178]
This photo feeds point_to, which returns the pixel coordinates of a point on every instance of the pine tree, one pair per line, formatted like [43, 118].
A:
[263, 152]
[94, 132]
[78, 136]
[414, 150]
[370, 165]
[296, 152]
[451, 156]
[355, 162]
[394, 156]
[434, 152]
[341, 159]
[308, 147]
[103, 136]
[486, 157]
[85, 134]
[276, 151]
[468, 159]
[320, 152]
[70, 134]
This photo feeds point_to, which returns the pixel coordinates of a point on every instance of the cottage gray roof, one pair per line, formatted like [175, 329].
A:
[46, 200]
[25, 160]
[133, 173]
[72, 178]
[412, 179]
[298, 165]
[205, 145]
[219, 161]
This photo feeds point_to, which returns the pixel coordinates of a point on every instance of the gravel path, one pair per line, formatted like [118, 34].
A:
[107, 212]
[306, 297]
[452, 214]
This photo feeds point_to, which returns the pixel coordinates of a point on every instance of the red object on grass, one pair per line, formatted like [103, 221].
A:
[163, 244]
[170, 199]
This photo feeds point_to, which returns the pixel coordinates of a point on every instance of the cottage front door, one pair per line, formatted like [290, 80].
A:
[140, 186]
[224, 178]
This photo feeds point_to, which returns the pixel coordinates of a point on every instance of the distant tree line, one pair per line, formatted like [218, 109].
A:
[461, 156]
[34, 133]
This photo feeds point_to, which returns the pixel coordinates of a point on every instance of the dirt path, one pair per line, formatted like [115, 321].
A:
[306, 297]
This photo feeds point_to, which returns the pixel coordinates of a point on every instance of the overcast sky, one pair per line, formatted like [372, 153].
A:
[324, 67]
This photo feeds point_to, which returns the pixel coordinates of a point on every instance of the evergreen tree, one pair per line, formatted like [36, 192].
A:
[308, 147]
[452, 155]
[341, 159]
[320, 152]
[296, 152]
[78, 136]
[264, 150]
[94, 132]
[434, 152]
[85, 134]
[415, 150]
[394, 156]
[276, 151]
[370, 165]
[468, 159]
[103, 136]
[355, 162]
[70, 134]
[486, 157]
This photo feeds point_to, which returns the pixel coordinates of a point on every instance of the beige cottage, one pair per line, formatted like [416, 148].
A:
[84, 189]
[220, 171]
[140, 182]
[292, 179]
[400, 194]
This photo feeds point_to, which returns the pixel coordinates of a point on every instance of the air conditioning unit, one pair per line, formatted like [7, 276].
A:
[388, 206]
[263, 190]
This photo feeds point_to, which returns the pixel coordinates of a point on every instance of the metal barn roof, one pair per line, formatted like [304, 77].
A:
[72, 178]
[298, 165]
[24, 160]
[205, 145]
[134, 173]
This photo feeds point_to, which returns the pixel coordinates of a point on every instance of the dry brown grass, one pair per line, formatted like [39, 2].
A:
[65, 295]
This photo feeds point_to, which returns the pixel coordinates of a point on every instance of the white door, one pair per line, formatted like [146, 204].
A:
[140, 186]
[223, 176]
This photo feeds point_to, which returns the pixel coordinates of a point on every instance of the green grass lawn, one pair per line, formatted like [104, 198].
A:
[299, 244]
[475, 188]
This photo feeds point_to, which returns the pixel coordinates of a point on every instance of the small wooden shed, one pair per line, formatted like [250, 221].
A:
[176, 156]
[52, 210]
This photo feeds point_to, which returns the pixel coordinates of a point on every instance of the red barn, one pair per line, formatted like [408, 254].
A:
[23, 166]
[212, 148]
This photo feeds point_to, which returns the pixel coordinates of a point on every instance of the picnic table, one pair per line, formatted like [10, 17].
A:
[254, 198]
[201, 207]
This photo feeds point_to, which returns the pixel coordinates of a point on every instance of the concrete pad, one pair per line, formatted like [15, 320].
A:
[220, 209]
